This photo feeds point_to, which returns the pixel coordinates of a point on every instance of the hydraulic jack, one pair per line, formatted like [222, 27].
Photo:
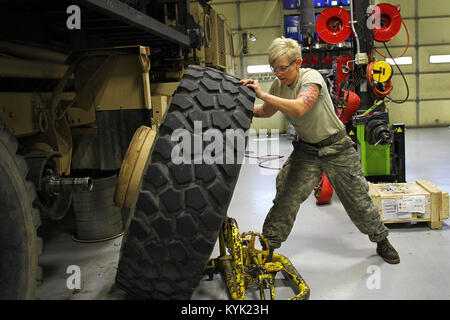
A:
[244, 265]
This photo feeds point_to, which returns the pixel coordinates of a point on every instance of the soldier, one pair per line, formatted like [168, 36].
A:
[322, 145]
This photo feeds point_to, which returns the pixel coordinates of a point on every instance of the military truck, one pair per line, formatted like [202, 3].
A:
[92, 90]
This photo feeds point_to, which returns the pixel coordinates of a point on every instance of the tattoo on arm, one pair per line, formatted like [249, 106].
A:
[309, 93]
[258, 111]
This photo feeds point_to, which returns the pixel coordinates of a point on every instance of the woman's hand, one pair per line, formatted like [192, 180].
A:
[254, 84]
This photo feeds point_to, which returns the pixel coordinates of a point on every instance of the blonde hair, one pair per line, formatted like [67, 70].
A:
[284, 47]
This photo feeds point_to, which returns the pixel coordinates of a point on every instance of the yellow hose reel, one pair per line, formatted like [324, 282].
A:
[381, 71]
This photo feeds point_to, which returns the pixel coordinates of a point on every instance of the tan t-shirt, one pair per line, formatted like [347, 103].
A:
[321, 121]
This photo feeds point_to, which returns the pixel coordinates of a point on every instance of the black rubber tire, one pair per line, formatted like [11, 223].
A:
[20, 246]
[180, 208]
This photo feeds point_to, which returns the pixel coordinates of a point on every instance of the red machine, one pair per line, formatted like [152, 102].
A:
[351, 105]
[333, 25]
[390, 22]
[323, 191]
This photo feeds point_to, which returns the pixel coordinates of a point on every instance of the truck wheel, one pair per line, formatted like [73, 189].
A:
[19, 244]
[181, 206]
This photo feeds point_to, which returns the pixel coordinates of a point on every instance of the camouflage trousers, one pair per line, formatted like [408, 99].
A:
[302, 172]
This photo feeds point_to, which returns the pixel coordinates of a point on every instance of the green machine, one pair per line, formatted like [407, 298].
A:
[381, 149]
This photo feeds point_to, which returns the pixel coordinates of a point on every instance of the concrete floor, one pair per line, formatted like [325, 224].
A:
[335, 259]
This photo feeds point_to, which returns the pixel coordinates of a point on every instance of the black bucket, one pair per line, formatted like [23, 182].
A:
[97, 218]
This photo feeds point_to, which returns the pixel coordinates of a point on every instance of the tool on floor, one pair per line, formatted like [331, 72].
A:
[244, 265]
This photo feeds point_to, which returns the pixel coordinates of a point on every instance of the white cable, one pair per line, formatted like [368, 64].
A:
[352, 22]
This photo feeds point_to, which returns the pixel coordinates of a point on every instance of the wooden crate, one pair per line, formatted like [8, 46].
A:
[420, 201]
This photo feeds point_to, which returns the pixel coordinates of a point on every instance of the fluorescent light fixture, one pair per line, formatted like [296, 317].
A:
[443, 58]
[262, 68]
[399, 61]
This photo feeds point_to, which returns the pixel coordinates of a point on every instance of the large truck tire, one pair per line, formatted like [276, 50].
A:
[20, 246]
[181, 206]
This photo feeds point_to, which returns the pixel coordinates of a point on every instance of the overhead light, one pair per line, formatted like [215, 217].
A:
[444, 58]
[252, 37]
[399, 61]
[263, 68]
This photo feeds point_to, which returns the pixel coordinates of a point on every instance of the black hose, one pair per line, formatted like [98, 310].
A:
[403, 76]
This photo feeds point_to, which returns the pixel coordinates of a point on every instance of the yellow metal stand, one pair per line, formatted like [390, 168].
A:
[245, 265]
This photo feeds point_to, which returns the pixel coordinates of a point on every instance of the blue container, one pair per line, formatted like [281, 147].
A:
[292, 27]
[317, 36]
[319, 3]
[291, 4]
[332, 3]
[345, 2]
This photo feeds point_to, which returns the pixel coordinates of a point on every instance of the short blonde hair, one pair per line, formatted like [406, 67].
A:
[284, 47]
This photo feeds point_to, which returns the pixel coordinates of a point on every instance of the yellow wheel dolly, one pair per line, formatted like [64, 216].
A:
[245, 265]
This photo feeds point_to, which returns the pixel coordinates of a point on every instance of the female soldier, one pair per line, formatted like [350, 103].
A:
[322, 146]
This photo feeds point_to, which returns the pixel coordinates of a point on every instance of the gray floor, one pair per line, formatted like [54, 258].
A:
[335, 259]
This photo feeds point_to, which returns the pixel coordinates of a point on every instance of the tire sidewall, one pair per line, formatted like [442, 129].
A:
[18, 237]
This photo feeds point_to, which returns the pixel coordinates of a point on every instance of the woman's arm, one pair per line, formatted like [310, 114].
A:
[264, 110]
[305, 100]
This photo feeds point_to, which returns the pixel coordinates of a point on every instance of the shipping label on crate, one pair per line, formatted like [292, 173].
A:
[411, 204]
[406, 207]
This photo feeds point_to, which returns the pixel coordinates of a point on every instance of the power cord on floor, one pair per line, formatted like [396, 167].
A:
[264, 159]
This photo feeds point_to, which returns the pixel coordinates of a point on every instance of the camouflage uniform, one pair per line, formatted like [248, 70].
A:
[302, 172]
